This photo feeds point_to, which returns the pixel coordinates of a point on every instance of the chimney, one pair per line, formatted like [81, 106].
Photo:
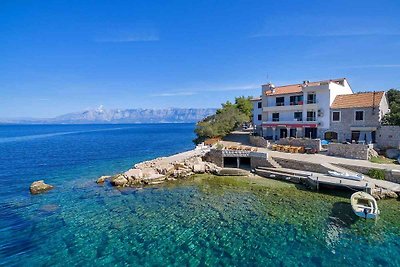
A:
[269, 87]
[305, 83]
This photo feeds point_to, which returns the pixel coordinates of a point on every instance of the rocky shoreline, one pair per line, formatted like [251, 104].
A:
[163, 169]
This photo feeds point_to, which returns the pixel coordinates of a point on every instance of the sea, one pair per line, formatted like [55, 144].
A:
[200, 221]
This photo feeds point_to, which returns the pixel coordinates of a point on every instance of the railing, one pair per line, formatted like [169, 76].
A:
[311, 118]
[275, 119]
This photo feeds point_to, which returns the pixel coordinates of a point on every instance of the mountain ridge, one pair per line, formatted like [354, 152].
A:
[114, 116]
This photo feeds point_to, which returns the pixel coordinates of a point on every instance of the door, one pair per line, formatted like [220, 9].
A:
[310, 133]
[283, 133]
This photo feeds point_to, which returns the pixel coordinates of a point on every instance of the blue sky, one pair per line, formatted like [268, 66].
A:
[63, 56]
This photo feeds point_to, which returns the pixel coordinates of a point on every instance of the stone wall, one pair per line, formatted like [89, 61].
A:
[304, 142]
[388, 137]
[215, 156]
[258, 141]
[301, 165]
[352, 151]
[347, 120]
[259, 160]
[390, 175]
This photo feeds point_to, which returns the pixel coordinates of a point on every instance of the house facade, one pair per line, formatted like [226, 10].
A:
[257, 114]
[357, 117]
[298, 110]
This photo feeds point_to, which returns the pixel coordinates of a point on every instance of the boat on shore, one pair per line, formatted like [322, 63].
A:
[364, 205]
[345, 175]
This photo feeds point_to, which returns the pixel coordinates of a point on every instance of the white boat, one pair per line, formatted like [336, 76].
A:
[364, 205]
[357, 177]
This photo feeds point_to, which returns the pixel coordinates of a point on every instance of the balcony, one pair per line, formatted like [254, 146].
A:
[283, 108]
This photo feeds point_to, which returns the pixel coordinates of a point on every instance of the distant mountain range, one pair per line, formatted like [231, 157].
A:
[101, 115]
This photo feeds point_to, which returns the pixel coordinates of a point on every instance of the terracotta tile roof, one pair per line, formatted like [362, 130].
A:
[297, 88]
[358, 100]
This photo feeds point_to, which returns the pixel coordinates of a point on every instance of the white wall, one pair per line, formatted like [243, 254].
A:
[256, 111]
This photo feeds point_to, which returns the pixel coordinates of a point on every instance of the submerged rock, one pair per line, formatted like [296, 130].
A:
[40, 186]
[119, 180]
[102, 179]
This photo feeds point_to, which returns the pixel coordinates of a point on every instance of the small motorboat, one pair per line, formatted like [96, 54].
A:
[357, 177]
[364, 205]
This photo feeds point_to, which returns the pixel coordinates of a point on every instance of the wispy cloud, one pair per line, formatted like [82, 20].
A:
[175, 94]
[149, 37]
[372, 66]
[196, 91]
[332, 27]
[137, 33]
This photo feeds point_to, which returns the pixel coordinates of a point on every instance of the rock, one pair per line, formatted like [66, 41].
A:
[102, 179]
[147, 172]
[119, 180]
[179, 165]
[199, 168]
[134, 174]
[38, 187]
[165, 168]
[392, 153]
[382, 194]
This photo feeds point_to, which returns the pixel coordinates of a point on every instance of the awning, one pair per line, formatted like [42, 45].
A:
[291, 125]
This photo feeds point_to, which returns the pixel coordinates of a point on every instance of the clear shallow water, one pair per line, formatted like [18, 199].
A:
[200, 221]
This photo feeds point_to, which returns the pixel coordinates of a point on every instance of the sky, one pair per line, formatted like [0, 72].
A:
[64, 56]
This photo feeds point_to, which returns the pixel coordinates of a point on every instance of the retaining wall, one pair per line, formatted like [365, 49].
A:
[388, 137]
[258, 141]
[304, 142]
[301, 165]
[352, 151]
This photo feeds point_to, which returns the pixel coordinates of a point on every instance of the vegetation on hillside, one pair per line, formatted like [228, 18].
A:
[225, 120]
[393, 118]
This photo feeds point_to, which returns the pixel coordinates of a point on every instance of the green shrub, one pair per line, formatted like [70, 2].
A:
[376, 174]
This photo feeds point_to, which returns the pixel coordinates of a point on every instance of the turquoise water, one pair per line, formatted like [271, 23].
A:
[202, 221]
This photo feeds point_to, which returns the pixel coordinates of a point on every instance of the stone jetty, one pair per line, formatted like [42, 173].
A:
[163, 169]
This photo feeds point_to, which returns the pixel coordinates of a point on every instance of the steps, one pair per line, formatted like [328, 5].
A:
[274, 163]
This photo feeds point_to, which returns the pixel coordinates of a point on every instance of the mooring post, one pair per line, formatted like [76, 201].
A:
[238, 162]
[317, 183]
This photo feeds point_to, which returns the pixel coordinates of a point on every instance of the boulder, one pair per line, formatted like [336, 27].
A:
[38, 187]
[147, 172]
[165, 168]
[392, 153]
[102, 179]
[199, 168]
[134, 174]
[119, 180]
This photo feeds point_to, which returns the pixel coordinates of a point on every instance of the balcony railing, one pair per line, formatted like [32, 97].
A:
[275, 119]
[311, 118]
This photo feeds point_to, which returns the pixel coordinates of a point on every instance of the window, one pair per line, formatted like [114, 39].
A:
[296, 100]
[280, 101]
[259, 117]
[336, 116]
[311, 98]
[298, 116]
[359, 115]
[275, 116]
[259, 104]
[311, 116]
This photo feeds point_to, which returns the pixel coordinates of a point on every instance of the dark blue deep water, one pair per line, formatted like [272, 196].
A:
[202, 221]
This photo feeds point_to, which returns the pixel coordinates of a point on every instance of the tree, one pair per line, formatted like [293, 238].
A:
[244, 105]
[225, 120]
[393, 117]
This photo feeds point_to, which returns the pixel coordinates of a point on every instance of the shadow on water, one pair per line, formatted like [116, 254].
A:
[342, 215]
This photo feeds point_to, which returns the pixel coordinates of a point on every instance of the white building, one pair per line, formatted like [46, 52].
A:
[257, 114]
[298, 110]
